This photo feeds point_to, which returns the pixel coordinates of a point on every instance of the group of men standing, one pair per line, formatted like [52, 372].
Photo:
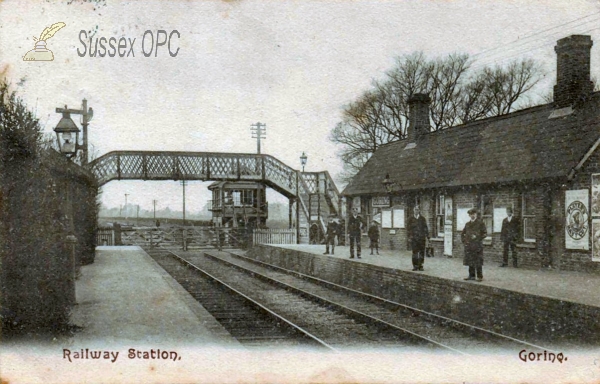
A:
[472, 237]
[355, 229]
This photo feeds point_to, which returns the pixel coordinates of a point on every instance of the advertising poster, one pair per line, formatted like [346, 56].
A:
[386, 218]
[595, 209]
[577, 219]
[448, 210]
[596, 240]
[448, 231]
[398, 218]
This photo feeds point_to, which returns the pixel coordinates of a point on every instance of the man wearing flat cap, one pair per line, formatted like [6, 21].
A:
[472, 237]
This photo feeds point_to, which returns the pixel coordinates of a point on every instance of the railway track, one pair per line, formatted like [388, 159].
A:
[312, 321]
[340, 317]
[247, 321]
[442, 332]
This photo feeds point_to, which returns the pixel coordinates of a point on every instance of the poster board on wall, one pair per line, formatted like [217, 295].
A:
[595, 208]
[596, 240]
[462, 217]
[386, 218]
[448, 231]
[398, 218]
[577, 219]
[448, 210]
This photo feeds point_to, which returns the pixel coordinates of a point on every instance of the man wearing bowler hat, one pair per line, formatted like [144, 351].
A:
[472, 237]
[418, 234]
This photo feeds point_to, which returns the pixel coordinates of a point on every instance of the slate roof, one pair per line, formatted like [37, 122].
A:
[523, 145]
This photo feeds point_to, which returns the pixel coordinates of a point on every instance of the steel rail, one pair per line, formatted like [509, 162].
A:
[342, 307]
[253, 302]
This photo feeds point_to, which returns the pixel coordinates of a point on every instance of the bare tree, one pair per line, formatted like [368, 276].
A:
[458, 95]
[506, 85]
[445, 88]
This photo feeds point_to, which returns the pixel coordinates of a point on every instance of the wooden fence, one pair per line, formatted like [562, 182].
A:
[274, 236]
[105, 236]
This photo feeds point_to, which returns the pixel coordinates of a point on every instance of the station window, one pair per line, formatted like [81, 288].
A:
[528, 217]
[243, 197]
[487, 214]
[440, 215]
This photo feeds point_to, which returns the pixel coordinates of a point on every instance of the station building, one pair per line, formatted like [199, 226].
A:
[543, 162]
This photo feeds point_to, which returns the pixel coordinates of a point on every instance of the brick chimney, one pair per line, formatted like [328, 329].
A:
[418, 113]
[573, 83]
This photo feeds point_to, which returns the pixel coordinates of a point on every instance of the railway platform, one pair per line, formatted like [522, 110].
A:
[533, 305]
[577, 287]
[125, 298]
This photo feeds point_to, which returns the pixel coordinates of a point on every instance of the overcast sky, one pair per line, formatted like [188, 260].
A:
[292, 65]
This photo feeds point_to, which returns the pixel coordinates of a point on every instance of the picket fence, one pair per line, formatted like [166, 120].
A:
[274, 236]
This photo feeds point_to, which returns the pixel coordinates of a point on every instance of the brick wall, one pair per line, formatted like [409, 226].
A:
[511, 313]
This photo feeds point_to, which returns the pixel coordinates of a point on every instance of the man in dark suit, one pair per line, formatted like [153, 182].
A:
[472, 237]
[510, 234]
[355, 226]
[418, 234]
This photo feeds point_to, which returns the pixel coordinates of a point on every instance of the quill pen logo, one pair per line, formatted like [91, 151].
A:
[40, 52]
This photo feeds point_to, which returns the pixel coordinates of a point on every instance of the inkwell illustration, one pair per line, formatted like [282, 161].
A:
[40, 52]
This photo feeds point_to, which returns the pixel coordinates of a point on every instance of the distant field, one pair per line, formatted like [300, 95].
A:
[147, 222]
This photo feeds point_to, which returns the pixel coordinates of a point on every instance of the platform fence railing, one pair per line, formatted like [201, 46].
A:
[274, 236]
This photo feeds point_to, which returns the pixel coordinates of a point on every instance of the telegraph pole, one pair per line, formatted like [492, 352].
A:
[259, 131]
[183, 182]
[154, 202]
[127, 194]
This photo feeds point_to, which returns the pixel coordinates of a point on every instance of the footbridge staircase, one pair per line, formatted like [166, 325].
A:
[313, 196]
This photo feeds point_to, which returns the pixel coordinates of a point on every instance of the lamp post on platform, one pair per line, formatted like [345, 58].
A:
[66, 127]
[67, 135]
[388, 184]
[303, 160]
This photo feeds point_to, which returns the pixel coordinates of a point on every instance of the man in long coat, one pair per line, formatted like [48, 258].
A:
[355, 227]
[472, 237]
[510, 234]
[418, 234]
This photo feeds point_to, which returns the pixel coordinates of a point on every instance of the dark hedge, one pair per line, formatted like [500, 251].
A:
[36, 270]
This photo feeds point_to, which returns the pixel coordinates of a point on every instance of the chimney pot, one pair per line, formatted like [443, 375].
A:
[418, 112]
[573, 83]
